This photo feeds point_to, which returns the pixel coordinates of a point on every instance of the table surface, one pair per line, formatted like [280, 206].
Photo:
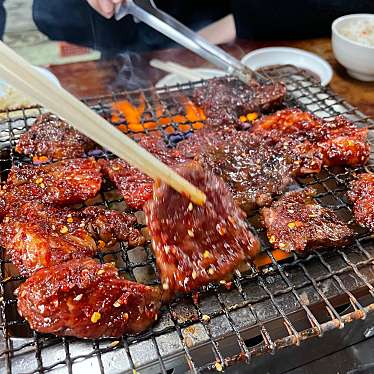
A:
[102, 77]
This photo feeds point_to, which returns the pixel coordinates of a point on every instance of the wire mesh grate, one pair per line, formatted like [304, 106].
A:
[259, 312]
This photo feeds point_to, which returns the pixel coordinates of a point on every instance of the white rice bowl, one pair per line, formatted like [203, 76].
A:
[360, 31]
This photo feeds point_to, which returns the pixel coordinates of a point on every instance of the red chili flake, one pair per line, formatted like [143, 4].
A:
[195, 297]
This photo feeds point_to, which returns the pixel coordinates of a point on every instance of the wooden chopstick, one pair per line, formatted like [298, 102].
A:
[177, 69]
[22, 76]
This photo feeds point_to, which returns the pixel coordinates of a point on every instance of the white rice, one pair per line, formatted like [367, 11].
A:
[360, 31]
[12, 99]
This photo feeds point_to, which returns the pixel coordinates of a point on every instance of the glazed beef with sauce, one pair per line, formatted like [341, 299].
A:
[35, 235]
[196, 245]
[60, 183]
[297, 223]
[361, 193]
[135, 186]
[85, 299]
[51, 137]
[208, 136]
[317, 142]
[224, 100]
[254, 169]
[110, 225]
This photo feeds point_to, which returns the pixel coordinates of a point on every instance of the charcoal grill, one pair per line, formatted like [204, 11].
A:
[266, 310]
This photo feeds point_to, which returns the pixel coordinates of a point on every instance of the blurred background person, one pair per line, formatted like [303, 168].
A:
[91, 22]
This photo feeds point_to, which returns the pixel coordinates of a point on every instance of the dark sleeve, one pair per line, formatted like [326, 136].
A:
[291, 19]
[2, 19]
[195, 13]
[76, 22]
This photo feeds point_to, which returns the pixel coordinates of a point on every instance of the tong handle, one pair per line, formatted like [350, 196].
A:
[147, 12]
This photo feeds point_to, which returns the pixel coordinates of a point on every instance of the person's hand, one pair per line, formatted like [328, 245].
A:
[105, 7]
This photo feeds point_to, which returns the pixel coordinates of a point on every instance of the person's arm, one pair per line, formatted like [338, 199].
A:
[221, 31]
[105, 7]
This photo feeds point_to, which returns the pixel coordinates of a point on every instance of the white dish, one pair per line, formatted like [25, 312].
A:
[172, 79]
[284, 55]
[4, 85]
[357, 58]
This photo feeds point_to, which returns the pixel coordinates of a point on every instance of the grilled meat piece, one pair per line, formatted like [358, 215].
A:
[254, 170]
[330, 143]
[156, 145]
[111, 225]
[195, 245]
[224, 100]
[208, 136]
[36, 235]
[361, 193]
[296, 223]
[136, 187]
[88, 300]
[61, 183]
[53, 138]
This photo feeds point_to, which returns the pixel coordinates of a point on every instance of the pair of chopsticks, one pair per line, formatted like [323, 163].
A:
[174, 68]
[21, 75]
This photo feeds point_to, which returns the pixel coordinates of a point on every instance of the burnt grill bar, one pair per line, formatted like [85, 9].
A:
[265, 310]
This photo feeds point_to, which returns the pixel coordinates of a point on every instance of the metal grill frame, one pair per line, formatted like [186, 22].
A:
[216, 327]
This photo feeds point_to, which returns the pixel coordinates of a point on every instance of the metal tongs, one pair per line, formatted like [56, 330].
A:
[147, 12]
